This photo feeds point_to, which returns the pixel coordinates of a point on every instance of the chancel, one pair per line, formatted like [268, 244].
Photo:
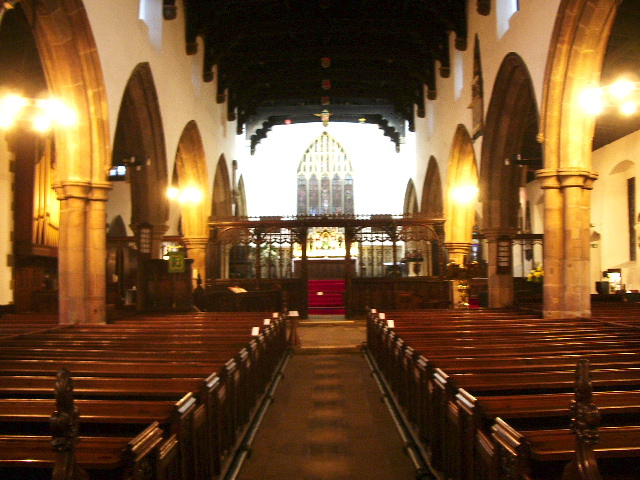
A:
[210, 205]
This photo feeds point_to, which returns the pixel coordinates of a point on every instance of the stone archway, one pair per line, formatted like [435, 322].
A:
[511, 123]
[461, 199]
[69, 58]
[221, 208]
[139, 143]
[431, 204]
[241, 199]
[578, 45]
[410, 199]
[191, 172]
[222, 197]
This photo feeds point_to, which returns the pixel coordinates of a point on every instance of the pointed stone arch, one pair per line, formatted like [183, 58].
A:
[432, 205]
[511, 126]
[191, 173]
[462, 185]
[191, 169]
[578, 45]
[222, 198]
[410, 199]
[117, 227]
[477, 93]
[511, 111]
[241, 199]
[69, 58]
[139, 143]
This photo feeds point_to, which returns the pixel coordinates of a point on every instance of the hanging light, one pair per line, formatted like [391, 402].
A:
[41, 114]
[622, 95]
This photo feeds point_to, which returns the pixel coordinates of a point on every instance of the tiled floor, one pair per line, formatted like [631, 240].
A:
[327, 421]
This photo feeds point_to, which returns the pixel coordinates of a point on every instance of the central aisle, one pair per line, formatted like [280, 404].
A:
[327, 422]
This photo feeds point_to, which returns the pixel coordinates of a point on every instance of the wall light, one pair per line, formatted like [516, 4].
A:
[623, 95]
[41, 113]
[464, 193]
[191, 195]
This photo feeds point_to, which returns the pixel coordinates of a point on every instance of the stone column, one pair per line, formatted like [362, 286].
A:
[458, 252]
[96, 253]
[157, 237]
[576, 186]
[82, 252]
[501, 288]
[566, 242]
[197, 250]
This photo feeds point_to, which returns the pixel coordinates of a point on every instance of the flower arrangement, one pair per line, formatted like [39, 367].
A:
[536, 275]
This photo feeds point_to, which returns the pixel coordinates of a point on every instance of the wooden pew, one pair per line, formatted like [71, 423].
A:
[488, 339]
[223, 397]
[528, 412]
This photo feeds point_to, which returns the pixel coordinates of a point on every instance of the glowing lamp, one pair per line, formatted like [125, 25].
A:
[591, 101]
[10, 107]
[190, 195]
[172, 193]
[628, 108]
[621, 89]
[464, 193]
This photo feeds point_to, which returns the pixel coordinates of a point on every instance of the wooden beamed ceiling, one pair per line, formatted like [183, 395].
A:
[291, 54]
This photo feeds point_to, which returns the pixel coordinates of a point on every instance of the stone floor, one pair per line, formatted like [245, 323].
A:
[327, 421]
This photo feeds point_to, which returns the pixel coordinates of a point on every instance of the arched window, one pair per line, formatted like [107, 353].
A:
[302, 193]
[336, 192]
[348, 194]
[325, 159]
[314, 198]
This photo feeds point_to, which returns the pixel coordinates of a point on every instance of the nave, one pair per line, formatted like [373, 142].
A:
[327, 421]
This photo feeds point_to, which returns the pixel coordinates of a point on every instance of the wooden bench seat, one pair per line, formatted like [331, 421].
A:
[31, 456]
[472, 414]
[132, 373]
[542, 454]
[427, 357]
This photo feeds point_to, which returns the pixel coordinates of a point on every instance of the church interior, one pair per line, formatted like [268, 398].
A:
[231, 227]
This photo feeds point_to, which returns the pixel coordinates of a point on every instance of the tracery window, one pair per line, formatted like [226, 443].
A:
[313, 196]
[325, 159]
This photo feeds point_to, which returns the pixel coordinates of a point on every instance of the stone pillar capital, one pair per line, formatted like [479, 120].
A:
[458, 251]
[566, 177]
[96, 191]
[195, 242]
[72, 189]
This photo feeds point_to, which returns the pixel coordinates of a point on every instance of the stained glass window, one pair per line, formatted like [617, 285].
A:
[326, 195]
[314, 199]
[336, 192]
[348, 194]
[302, 193]
[325, 159]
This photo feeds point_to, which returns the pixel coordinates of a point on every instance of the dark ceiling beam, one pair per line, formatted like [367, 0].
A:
[314, 79]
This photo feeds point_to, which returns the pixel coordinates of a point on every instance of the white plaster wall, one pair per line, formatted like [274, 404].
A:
[528, 35]
[614, 163]
[123, 41]
[380, 174]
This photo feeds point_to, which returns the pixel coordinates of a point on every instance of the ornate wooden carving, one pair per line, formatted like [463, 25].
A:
[64, 430]
[585, 419]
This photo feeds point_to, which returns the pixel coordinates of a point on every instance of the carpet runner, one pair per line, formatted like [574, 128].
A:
[326, 297]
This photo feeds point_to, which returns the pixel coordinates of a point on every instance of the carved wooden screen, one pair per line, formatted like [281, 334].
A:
[325, 178]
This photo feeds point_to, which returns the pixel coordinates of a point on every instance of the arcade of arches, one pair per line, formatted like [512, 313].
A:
[88, 201]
